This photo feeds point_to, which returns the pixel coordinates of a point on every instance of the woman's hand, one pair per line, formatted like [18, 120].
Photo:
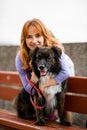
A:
[48, 84]
[34, 78]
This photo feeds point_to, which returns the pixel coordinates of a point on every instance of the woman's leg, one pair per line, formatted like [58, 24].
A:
[68, 116]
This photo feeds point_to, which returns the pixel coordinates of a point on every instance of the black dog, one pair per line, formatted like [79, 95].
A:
[45, 63]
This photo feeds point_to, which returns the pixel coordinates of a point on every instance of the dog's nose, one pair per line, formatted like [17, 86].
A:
[41, 67]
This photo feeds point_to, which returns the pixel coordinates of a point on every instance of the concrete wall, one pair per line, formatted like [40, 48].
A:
[77, 52]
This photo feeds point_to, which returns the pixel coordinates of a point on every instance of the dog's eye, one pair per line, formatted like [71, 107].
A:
[38, 57]
[48, 58]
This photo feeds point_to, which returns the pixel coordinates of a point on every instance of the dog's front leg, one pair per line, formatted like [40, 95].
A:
[39, 112]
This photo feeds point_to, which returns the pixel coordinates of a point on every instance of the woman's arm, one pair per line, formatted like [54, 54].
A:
[22, 74]
[67, 68]
[64, 73]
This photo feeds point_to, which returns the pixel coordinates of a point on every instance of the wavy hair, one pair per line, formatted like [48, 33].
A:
[49, 40]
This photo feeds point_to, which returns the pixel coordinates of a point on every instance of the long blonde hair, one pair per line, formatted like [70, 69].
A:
[49, 40]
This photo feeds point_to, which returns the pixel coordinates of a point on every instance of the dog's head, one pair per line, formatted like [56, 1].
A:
[46, 59]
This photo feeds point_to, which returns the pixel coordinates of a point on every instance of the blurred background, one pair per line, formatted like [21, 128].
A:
[67, 19]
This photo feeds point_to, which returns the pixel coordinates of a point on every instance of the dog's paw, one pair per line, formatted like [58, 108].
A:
[65, 123]
[40, 123]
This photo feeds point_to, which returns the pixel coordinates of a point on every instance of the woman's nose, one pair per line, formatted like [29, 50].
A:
[34, 40]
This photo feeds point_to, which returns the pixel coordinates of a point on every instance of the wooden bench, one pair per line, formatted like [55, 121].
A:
[10, 86]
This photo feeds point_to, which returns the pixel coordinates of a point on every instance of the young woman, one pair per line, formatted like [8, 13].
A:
[35, 33]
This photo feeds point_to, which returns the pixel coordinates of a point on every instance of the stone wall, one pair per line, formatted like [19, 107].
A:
[77, 52]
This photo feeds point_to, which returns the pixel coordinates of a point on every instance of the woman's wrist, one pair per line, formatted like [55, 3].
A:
[48, 84]
[52, 81]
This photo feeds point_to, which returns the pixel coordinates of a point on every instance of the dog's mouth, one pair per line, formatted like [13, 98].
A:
[43, 72]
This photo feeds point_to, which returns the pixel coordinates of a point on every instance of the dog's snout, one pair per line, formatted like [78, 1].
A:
[41, 67]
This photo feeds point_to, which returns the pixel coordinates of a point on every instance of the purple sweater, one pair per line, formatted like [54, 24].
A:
[64, 74]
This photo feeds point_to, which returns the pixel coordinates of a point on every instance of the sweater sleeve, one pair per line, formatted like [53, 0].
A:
[22, 74]
[64, 73]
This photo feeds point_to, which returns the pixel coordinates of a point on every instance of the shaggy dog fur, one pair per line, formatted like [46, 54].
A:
[45, 63]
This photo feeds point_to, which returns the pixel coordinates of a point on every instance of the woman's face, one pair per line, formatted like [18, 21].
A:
[34, 39]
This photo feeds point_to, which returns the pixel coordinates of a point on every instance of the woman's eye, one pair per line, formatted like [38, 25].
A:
[29, 36]
[37, 35]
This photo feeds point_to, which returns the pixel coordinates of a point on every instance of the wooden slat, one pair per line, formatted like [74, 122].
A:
[7, 93]
[10, 78]
[21, 124]
[6, 127]
[9, 121]
[77, 85]
[17, 123]
[76, 103]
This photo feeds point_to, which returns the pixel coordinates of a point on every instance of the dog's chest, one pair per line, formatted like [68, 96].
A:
[45, 79]
[50, 91]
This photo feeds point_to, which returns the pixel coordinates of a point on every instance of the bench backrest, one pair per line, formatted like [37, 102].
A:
[75, 99]
[10, 85]
[76, 96]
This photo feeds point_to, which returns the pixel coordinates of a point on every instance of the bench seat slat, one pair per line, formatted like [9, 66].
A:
[13, 121]
[17, 123]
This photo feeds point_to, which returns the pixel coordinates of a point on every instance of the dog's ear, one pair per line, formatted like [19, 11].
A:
[33, 53]
[57, 51]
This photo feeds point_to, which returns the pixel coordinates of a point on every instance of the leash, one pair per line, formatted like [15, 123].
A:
[39, 93]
